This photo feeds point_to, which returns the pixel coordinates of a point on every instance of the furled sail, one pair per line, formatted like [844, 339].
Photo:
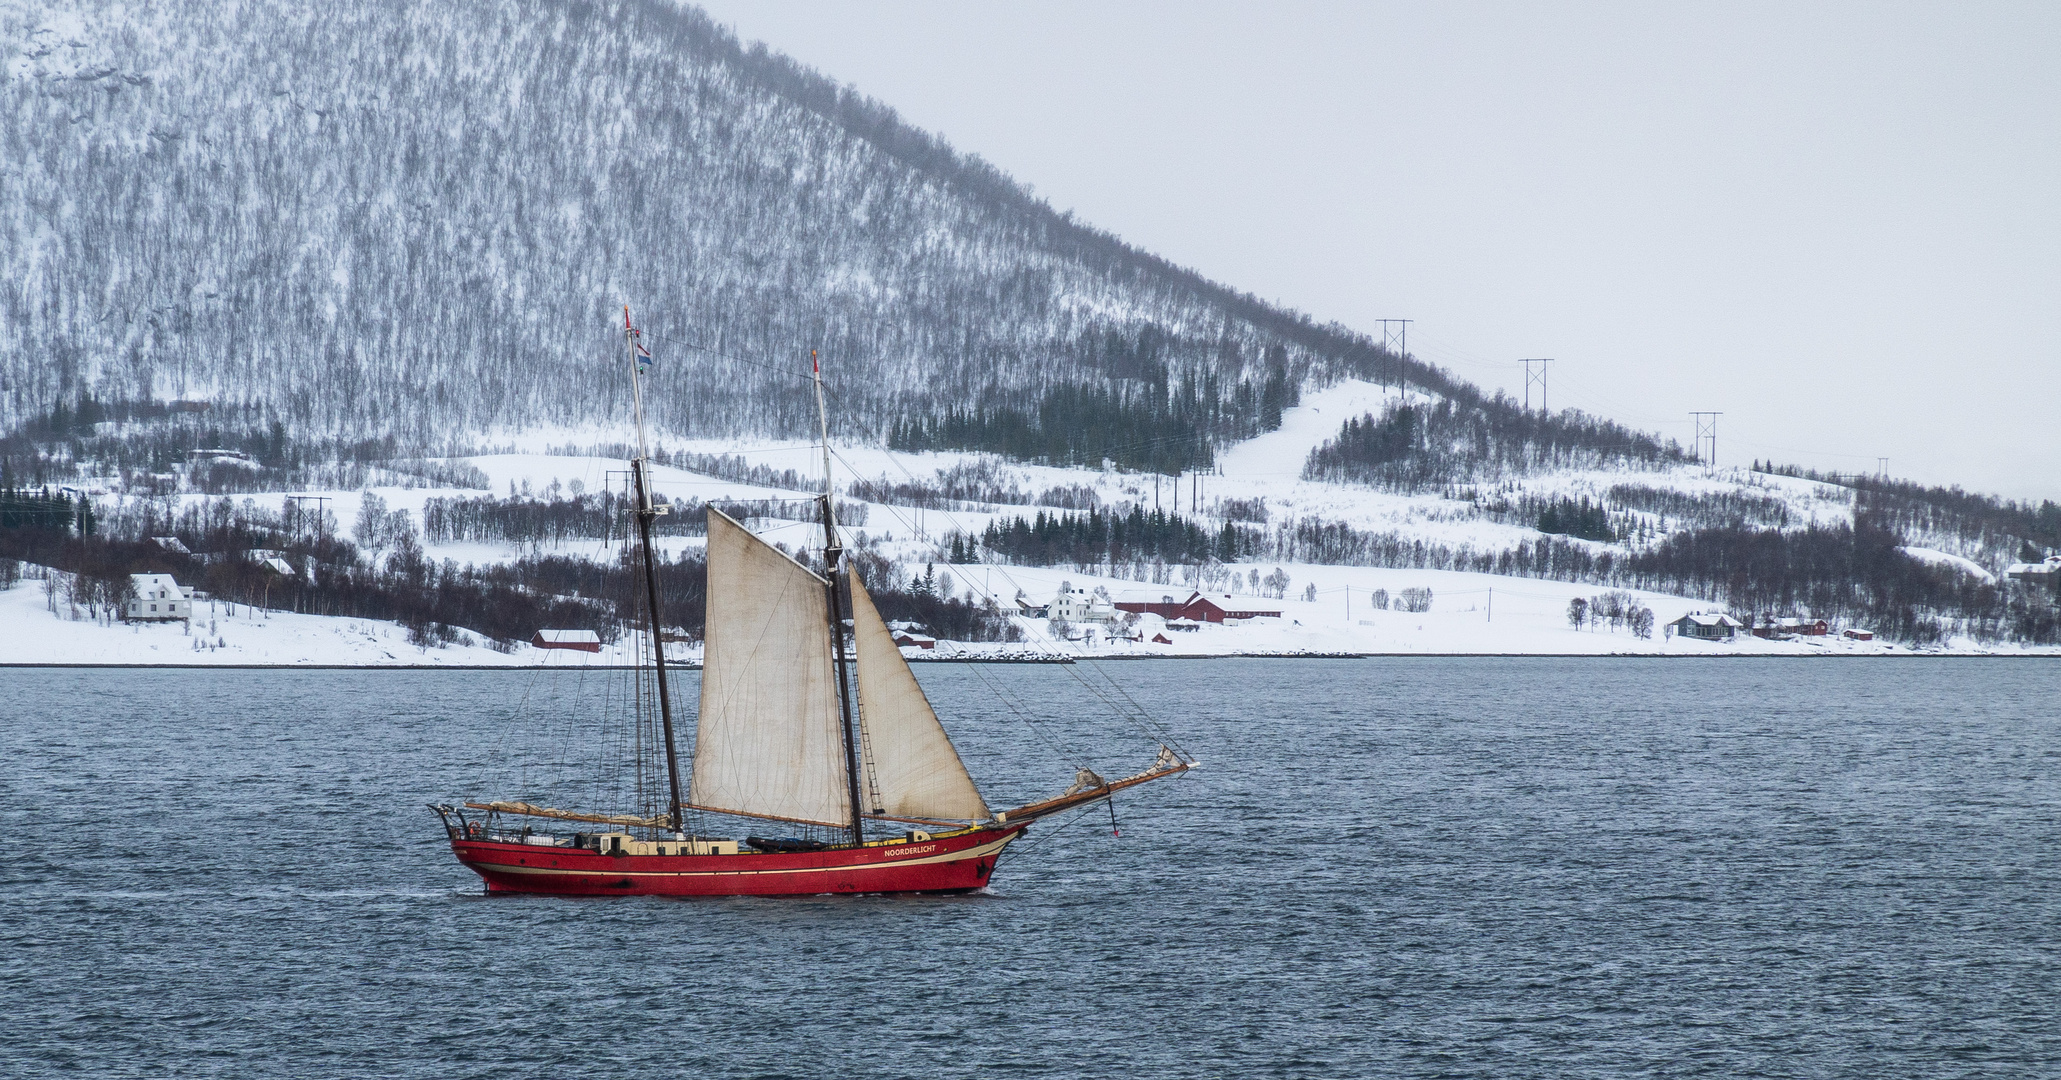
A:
[918, 772]
[769, 740]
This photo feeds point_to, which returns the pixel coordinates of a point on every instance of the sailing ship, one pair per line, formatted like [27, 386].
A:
[810, 720]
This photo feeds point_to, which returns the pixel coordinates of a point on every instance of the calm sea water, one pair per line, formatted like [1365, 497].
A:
[1427, 867]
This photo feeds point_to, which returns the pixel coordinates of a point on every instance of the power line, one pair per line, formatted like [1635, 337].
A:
[1538, 377]
[1706, 434]
[1397, 341]
[699, 347]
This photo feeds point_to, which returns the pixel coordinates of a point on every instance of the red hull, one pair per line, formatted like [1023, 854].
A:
[956, 863]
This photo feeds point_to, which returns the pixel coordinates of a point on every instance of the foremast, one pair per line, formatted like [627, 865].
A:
[646, 512]
[836, 572]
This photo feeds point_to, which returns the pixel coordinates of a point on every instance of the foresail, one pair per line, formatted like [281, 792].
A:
[919, 774]
[769, 741]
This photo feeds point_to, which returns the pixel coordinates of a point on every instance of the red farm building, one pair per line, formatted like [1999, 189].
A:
[1199, 607]
[580, 640]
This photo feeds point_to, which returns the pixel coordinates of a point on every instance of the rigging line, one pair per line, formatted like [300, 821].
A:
[743, 450]
[579, 693]
[720, 353]
[1146, 723]
[1155, 442]
[736, 498]
[1062, 823]
[1141, 715]
[1140, 718]
[1023, 713]
[522, 708]
[1009, 701]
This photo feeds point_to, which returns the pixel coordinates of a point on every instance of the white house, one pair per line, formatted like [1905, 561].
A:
[159, 598]
[1709, 627]
[2047, 570]
[1082, 606]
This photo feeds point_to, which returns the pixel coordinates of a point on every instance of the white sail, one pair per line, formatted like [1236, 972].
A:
[769, 741]
[918, 772]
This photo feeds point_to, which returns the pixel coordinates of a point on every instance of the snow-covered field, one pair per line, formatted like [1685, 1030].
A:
[1472, 614]
[232, 635]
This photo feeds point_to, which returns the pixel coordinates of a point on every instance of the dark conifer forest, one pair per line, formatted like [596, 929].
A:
[1468, 438]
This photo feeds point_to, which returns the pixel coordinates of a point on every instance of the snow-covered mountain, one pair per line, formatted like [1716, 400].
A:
[422, 219]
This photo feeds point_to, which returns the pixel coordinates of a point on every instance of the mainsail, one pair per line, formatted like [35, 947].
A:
[917, 772]
[769, 741]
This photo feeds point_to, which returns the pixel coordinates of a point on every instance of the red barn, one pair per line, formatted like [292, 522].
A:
[909, 638]
[580, 640]
[1166, 607]
[1198, 607]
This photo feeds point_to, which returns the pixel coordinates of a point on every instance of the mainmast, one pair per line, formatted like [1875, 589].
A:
[646, 511]
[833, 563]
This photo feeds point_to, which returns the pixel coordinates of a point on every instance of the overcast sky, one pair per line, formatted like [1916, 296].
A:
[1838, 225]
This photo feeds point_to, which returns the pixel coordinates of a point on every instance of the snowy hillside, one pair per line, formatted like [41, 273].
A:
[369, 218]
[1325, 609]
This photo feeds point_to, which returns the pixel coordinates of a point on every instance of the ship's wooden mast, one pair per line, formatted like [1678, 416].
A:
[833, 565]
[646, 512]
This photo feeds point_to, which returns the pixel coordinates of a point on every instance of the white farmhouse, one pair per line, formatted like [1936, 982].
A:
[158, 598]
[1082, 606]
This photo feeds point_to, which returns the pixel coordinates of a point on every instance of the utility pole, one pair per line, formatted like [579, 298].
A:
[1706, 435]
[1492, 604]
[1535, 377]
[300, 514]
[1397, 341]
[1881, 468]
